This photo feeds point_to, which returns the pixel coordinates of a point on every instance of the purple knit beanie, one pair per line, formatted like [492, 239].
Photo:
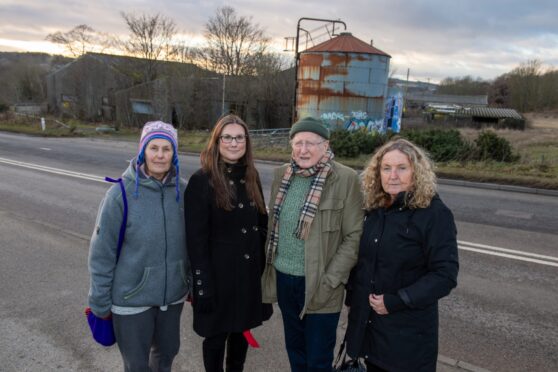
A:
[158, 129]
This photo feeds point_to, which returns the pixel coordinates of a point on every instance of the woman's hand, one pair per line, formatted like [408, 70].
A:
[377, 304]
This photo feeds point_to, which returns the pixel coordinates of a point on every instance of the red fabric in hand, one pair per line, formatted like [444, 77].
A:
[250, 339]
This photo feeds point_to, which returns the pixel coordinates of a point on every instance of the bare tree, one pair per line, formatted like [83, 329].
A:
[524, 82]
[548, 90]
[499, 92]
[465, 85]
[234, 43]
[81, 39]
[151, 39]
[271, 63]
[30, 82]
[182, 52]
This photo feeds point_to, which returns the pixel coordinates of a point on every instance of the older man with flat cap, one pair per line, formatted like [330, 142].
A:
[315, 224]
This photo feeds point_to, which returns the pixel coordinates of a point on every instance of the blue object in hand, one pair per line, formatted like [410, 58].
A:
[101, 329]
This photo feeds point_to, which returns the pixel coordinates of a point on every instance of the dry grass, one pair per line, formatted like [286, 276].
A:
[537, 147]
[519, 139]
[547, 119]
[538, 141]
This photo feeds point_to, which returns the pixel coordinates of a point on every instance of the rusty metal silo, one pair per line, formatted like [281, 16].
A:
[341, 79]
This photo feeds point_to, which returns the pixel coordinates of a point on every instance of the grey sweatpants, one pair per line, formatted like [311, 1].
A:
[150, 340]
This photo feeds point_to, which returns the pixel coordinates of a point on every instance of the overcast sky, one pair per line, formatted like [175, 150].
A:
[433, 38]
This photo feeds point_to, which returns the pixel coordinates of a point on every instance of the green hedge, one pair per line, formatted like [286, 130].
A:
[442, 144]
[351, 144]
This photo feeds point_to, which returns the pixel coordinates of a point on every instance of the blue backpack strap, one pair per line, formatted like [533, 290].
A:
[125, 217]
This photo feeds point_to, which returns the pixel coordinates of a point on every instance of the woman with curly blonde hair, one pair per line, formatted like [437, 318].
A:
[424, 178]
[407, 262]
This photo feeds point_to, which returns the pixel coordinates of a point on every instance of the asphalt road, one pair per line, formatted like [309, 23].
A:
[503, 316]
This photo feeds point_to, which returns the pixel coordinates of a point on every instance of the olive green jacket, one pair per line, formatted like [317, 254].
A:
[331, 248]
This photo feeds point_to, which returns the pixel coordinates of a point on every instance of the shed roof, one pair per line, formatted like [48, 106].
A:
[347, 43]
[490, 112]
[481, 100]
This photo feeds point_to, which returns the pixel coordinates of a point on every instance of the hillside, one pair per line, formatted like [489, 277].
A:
[43, 60]
[23, 75]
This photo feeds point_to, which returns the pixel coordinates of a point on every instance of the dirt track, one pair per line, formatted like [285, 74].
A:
[542, 120]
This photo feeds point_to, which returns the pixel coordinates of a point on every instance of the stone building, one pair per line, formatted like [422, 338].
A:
[109, 88]
[83, 88]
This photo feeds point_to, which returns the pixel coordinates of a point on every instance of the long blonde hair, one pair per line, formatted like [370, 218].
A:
[424, 179]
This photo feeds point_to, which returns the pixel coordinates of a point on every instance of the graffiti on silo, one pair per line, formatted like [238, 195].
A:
[344, 82]
[357, 120]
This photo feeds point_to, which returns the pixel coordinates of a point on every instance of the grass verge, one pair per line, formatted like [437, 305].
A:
[538, 166]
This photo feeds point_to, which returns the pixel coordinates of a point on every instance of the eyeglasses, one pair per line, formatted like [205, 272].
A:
[309, 145]
[227, 138]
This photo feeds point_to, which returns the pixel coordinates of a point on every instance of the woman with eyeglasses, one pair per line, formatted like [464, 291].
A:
[226, 222]
[314, 230]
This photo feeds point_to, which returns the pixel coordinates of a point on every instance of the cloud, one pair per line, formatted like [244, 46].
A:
[433, 38]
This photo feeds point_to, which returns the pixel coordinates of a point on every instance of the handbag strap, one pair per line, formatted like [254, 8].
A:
[122, 231]
[341, 349]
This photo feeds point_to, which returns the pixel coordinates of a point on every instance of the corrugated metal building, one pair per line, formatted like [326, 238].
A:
[342, 78]
[489, 113]
[477, 117]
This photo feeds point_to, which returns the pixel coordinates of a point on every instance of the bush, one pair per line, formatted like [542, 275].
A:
[351, 144]
[368, 142]
[491, 147]
[4, 107]
[443, 145]
[343, 144]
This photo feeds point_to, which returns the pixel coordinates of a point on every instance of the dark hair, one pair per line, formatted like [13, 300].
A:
[213, 165]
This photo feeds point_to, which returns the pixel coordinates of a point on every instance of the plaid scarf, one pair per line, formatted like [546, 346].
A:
[310, 207]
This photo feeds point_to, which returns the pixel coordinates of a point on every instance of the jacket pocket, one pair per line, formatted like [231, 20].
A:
[330, 214]
[149, 291]
[326, 296]
[178, 281]
[131, 293]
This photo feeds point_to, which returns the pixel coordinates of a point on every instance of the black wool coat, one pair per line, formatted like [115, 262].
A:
[226, 250]
[409, 256]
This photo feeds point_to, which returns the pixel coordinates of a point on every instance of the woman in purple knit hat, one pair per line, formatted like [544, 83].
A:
[143, 289]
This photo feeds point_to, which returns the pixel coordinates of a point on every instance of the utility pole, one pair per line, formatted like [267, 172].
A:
[406, 87]
[223, 97]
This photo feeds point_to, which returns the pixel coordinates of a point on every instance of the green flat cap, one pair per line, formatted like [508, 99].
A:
[310, 124]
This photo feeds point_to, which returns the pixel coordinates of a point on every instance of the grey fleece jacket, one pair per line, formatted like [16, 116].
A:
[153, 268]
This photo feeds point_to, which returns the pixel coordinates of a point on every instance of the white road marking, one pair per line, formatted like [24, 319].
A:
[506, 250]
[44, 148]
[466, 246]
[62, 172]
[508, 253]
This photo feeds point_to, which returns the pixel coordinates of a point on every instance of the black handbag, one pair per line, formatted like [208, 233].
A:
[345, 364]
